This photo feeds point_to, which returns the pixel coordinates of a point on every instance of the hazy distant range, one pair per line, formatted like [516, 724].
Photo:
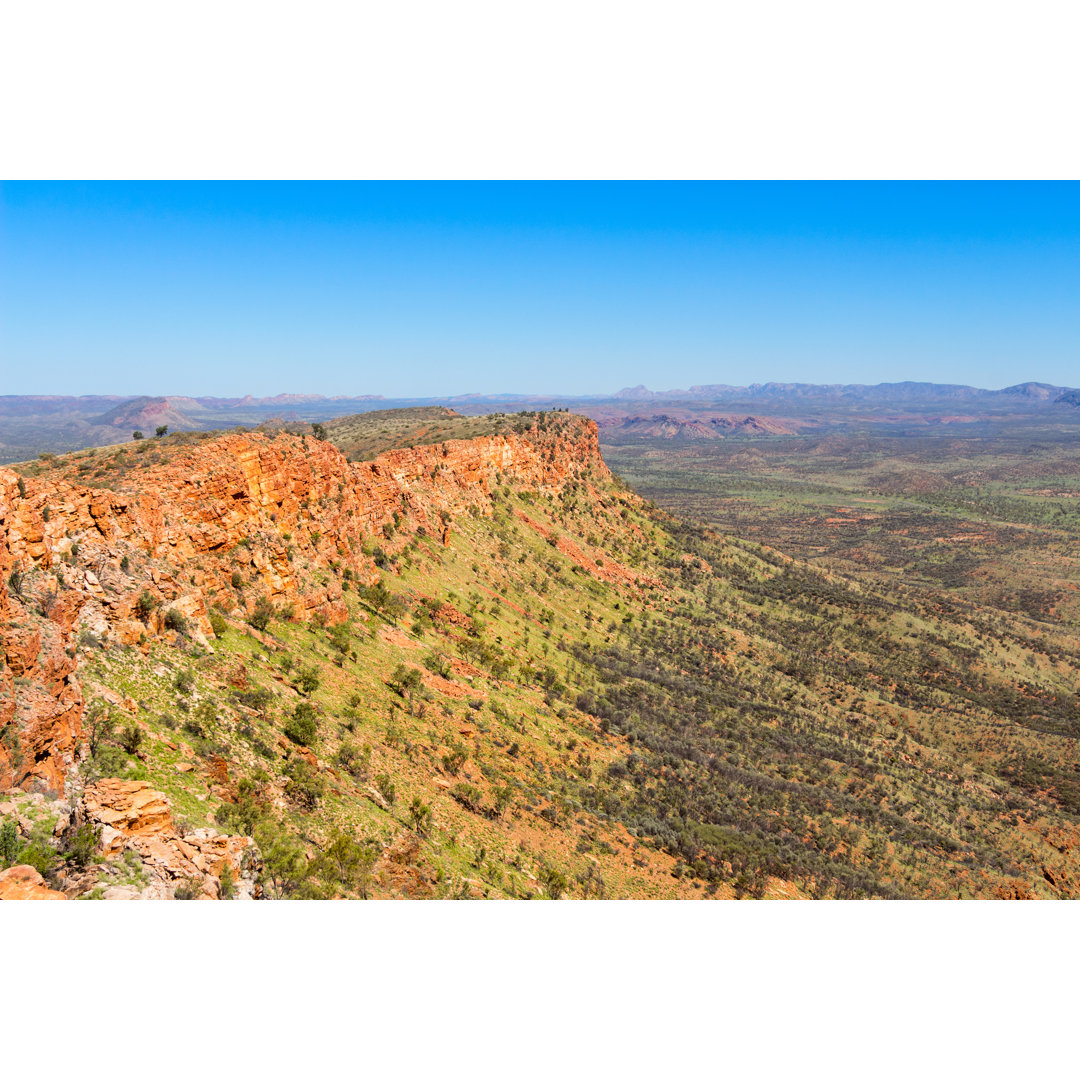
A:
[32, 424]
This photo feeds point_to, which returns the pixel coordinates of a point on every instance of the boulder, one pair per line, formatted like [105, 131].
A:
[25, 883]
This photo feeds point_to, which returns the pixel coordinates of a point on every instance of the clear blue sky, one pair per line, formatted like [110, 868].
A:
[417, 289]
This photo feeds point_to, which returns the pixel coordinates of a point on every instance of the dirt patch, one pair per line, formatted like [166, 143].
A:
[446, 686]
[393, 636]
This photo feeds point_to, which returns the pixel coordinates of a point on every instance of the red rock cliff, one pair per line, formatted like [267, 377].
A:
[273, 509]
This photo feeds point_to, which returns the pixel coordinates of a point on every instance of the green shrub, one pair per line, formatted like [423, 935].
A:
[340, 637]
[80, 846]
[302, 727]
[218, 623]
[40, 856]
[188, 889]
[246, 814]
[107, 761]
[554, 882]
[305, 787]
[308, 680]
[469, 795]
[354, 761]
[145, 605]
[9, 843]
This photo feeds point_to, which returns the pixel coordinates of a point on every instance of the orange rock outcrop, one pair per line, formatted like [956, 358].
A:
[284, 517]
[134, 816]
[25, 883]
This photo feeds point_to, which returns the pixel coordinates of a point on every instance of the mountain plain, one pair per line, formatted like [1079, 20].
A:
[34, 424]
[416, 653]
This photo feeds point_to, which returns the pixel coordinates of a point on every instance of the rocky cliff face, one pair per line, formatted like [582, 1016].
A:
[236, 521]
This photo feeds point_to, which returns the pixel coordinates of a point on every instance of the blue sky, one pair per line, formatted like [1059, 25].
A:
[418, 289]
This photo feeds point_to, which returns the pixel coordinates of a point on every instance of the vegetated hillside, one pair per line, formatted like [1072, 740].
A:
[366, 435]
[245, 666]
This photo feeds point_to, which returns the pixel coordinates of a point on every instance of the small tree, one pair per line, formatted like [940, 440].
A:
[160, 430]
[454, 758]
[318, 431]
[504, 797]
[283, 864]
[420, 815]
[347, 863]
[406, 680]
[386, 788]
[98, 725]
[136, 435]
[131, 738]
[263, 613]
[438, 664]
[228, 882]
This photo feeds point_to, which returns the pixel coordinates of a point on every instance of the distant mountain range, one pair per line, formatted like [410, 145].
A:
[879, 392]
[32, 424]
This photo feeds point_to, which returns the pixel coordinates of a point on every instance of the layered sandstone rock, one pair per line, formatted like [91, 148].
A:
[132, 816]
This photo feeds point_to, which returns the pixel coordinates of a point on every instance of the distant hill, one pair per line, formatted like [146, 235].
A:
[147, 413]
[683, 429]
[905, 392]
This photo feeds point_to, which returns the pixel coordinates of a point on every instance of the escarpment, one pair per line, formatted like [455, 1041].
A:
[145, 549]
